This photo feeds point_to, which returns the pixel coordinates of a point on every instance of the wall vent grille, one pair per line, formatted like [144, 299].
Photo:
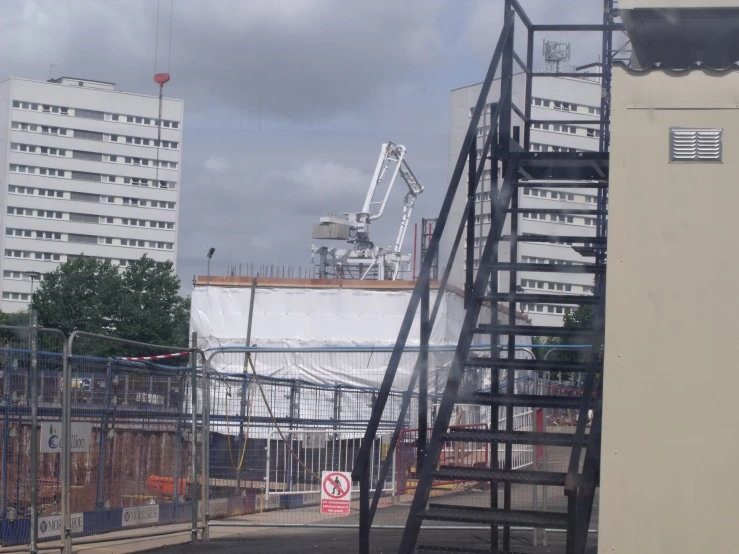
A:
[696, 145]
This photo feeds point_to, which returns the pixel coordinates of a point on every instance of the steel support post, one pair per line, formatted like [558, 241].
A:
[364, 505]
[181, 382]
[505, 139]
[67, 449]
[8, 390]
[423, 377]
[103, 438]
[205, 502]
[470, 250]
[34, 432]
[194, 410]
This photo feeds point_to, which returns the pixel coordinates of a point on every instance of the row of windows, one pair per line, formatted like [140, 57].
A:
[565, 106]
[545, 308]
[34, 191]
[553, 261]
[91, 177]
[34, 213]
[546, 285]
[558, 195]
[93, 114]
[569, 129]
[27, 233]
[538, 147]
[53, 258]
[95, 198]
[87, 239]
[557, 218]
[93, 135]
[43, 256]
[20, 276]
[90, 156]
[553, 104]
[90, 218]
[19, 296]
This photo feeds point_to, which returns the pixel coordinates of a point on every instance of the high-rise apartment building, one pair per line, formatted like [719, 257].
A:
[85, 169]
[553, 98]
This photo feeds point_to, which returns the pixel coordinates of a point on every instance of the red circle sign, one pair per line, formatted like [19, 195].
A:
[334, 481]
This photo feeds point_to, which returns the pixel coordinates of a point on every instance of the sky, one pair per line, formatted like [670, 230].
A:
[287, 102]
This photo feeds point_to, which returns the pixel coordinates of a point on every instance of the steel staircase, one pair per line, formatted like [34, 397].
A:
[578, 480]
[491, 381]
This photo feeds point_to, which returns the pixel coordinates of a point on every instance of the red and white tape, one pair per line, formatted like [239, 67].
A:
[150, 358]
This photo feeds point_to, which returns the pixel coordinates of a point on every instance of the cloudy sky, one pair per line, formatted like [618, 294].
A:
[286, 101]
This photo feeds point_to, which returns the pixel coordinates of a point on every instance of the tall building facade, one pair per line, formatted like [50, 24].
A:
[82, 172]
[553, 98]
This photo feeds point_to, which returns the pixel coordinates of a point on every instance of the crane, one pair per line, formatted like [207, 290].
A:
[364, 260]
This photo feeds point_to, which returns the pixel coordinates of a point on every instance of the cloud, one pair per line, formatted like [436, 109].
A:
[217, 164]
[329, 178]
[297, 60]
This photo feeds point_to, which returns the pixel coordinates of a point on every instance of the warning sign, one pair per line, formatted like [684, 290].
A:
[336, 493]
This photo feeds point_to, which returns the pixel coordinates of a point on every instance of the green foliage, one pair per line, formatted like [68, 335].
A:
[80, 295]
[580, 317]
[141, 304]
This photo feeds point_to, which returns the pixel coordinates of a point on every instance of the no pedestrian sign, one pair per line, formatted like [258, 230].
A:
[336, 493]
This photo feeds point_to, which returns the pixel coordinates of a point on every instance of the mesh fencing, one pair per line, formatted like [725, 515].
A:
[140, 468]
[273, 437]
[18, 400]
[268, 442]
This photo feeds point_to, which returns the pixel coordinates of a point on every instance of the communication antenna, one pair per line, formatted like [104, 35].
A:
[555, 53]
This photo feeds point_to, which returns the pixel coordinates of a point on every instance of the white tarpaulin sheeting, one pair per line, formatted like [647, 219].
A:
[303, 317]
[305, 324]
[312, 318]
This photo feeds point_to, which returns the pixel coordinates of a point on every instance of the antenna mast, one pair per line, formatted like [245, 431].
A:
[555, 53]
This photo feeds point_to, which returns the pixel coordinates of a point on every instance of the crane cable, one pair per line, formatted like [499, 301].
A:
[277, 427]
[161, 85]
[246, 439]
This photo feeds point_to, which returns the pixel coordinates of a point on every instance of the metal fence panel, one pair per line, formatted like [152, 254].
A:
[132, 449]
[20, 478]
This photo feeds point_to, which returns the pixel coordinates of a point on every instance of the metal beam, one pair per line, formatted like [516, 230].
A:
[521, 14]
[576, 27]
[566, 74]
[567, 121]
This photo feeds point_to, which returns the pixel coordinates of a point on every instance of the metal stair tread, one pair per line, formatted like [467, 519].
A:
[530, 400]
[548, 478]
[574, 299]
[534, 330]
[514, 437]
[530, 363]
[460, 549]
[467, 514]
[549, 268]
[555, 238]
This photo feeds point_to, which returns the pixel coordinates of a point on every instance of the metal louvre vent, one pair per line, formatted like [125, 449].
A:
[696, 145]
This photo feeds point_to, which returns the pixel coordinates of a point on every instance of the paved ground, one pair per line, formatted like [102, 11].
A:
[339, 541]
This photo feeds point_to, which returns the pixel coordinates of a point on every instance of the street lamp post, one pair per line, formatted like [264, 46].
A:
[211, 251]
[34, 276]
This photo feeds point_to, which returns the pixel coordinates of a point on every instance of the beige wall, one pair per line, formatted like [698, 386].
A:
[670, 468]
[630, 4]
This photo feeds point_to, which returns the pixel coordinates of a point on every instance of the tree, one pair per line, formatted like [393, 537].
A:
[142, 303]
[80, 295]
[151, 309]
[580, 317]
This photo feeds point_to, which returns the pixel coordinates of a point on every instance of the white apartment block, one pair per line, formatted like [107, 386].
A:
[552, 98]
[81, 172]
